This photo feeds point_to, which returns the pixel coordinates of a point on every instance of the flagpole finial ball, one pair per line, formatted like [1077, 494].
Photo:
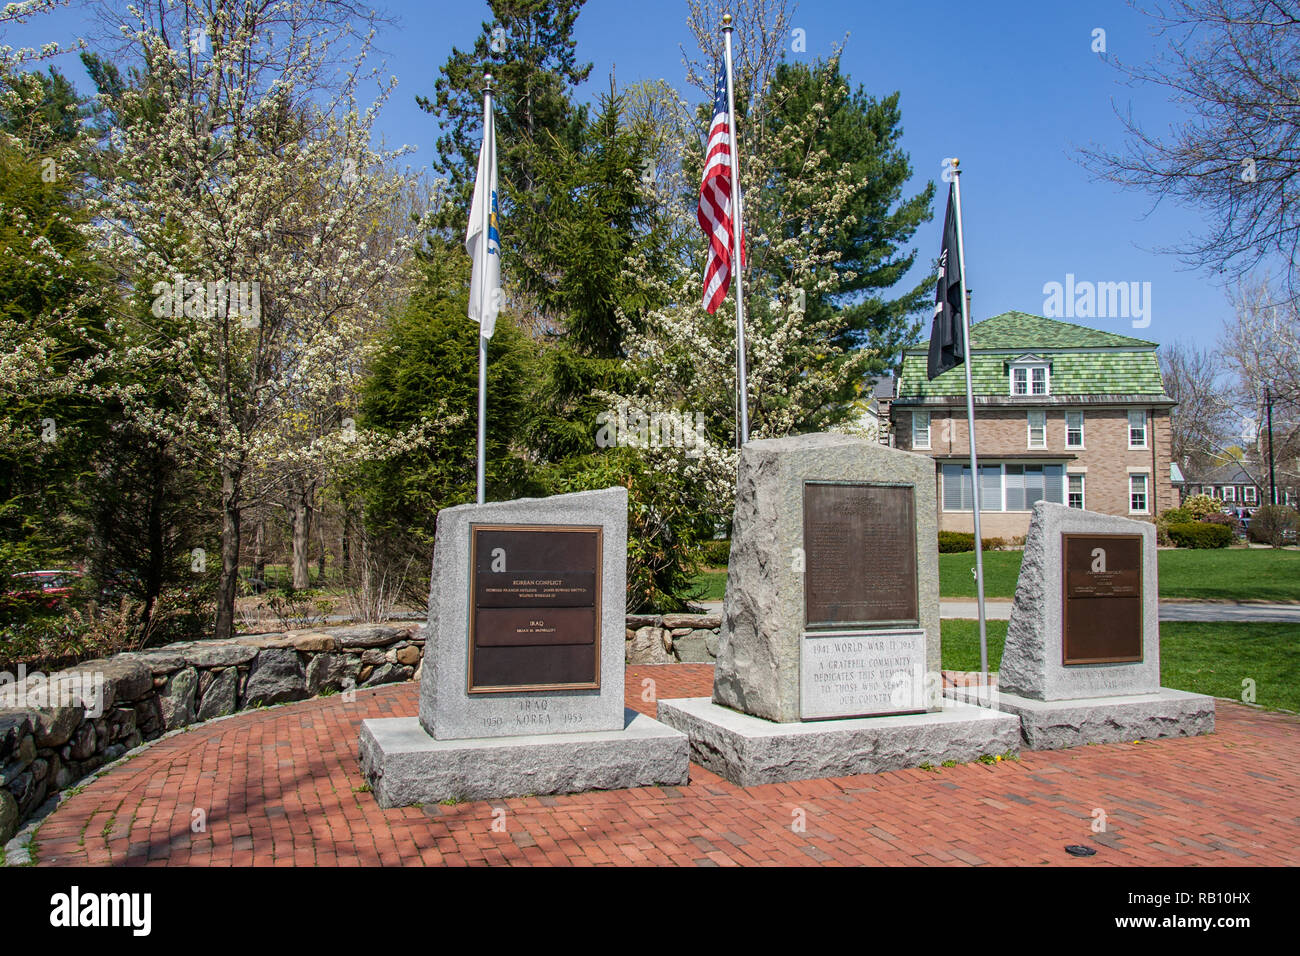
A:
[726, 20]
[955, 162]
[487, 78]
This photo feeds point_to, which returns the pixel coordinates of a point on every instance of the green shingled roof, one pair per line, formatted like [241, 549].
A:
[1020, 330]
[1125, 366]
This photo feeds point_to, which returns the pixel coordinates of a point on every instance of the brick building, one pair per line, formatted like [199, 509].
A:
[1063, 412]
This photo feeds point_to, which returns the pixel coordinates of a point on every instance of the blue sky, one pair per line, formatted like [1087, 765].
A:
[1012, 88]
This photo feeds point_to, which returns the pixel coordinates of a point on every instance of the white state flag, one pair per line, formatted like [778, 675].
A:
[486, 255]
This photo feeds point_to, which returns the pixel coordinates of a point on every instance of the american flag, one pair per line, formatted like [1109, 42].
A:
[714, 210]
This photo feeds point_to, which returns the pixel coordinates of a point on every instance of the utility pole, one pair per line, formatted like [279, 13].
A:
[1272, 475]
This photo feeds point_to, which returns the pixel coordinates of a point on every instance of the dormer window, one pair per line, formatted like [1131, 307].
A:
[1030, 376]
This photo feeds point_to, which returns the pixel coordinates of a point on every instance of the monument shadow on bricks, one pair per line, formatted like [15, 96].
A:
[828, 661]
[1081, 664]
[522, 684]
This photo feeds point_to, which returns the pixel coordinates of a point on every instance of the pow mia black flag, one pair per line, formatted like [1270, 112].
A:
[946, 350]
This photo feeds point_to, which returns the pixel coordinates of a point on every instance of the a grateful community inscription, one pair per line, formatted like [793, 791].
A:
[535, 623]
[860, 554]
[862, 673]
[859, 584]
[1101, 598]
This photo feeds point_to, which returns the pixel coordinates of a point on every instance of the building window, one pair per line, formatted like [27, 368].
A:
[920, 429]
[1003, 487]
[1137, 428]
[1026, 485]
[958, 494]
[1248, 495]
[1074, 429]
[1038, 429]
[1229, 492]
[1137, 494]
[1030, 380]
[1075, 499]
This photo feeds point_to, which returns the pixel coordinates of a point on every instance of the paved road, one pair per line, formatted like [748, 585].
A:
[1169, 611]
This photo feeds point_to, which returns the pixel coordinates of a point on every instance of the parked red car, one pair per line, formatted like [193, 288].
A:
[47, 588]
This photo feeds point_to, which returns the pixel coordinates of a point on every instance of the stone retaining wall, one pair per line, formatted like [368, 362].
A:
[672, 638]
[56, 729]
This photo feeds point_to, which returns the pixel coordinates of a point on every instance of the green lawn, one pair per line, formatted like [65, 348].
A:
[1231, 574]
[1204, 658]
[714, 584]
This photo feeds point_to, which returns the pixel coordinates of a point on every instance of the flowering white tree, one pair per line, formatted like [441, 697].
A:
[243, 210]
[794, 361]
[31, 349]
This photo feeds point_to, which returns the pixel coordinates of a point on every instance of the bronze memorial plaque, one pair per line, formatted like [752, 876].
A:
[535, 624]
[1101, 598]
[859, 545]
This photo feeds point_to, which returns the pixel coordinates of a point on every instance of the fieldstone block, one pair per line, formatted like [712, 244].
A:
[178, 700]
[221, 696]
[276, 676]
[330, 671]
[388, 674]
[122, 722]
[83, 742]
[124, 680]
[147, 717]
[163, 660]
[14, 725]
[692, 649]
[647, 647]
[220, 655]
[692, 621]
[311, 642]
[366, 635]
[54, 726]
[28, 791]
[8, 816]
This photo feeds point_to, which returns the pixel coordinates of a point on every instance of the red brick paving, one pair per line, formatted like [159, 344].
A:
[279, 788]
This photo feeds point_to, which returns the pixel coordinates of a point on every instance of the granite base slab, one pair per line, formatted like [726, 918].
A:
[750, 751]
[404, 765]
[1056, 724]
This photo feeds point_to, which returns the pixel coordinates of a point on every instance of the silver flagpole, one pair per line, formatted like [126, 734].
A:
[482, 301]
[970, 421]
[737, 231]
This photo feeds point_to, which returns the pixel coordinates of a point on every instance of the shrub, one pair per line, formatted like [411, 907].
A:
[1176, 516]
[1200, 534]
[1198, 506]
[51, 642]
[1231, 522]
[1272, 524]
[717, 553]
[955, 542]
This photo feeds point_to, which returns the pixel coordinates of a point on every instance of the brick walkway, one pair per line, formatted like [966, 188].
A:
[280, 787]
